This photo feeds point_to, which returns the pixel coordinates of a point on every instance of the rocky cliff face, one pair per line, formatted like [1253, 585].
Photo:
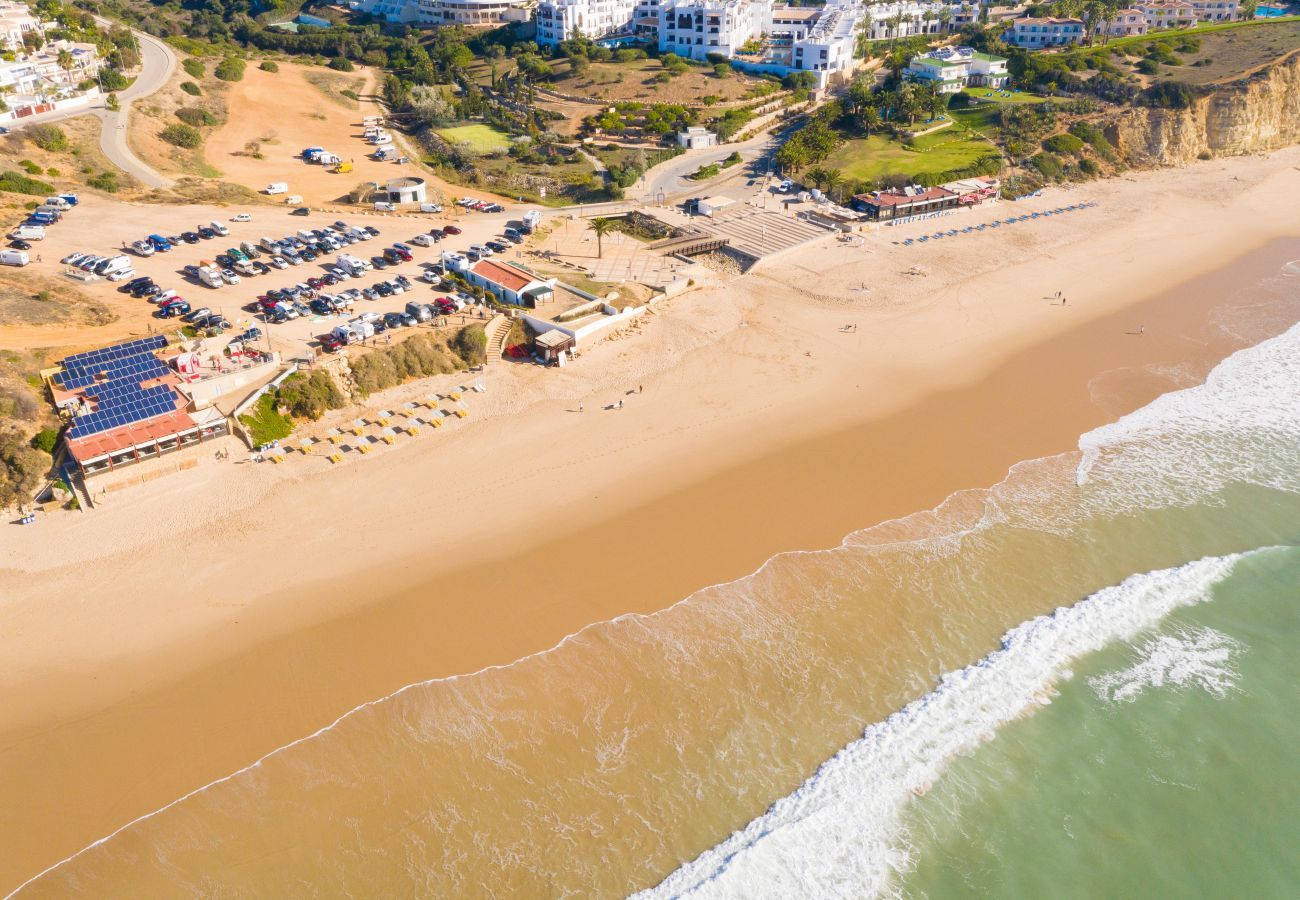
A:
[1260, 112]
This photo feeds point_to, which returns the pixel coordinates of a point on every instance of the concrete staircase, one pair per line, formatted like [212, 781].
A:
[496, 330]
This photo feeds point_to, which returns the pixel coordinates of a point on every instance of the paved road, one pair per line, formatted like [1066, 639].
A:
[669, 178]
[157, 64]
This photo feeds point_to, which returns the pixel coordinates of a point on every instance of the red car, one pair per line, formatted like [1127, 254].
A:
[315, 283]
[450, 229]
[329, 343]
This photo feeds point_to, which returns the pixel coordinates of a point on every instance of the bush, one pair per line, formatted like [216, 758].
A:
[16, 183]
[341, 64]
[310, 396]
[1089, 166]
[22, 467]
[1171, 95]
[191, 88]
[53, 173]
[49, 137]
[959, 100]
[628, 55]
[230, 69]
[269, 65]
[470, 344]
[1047, 165]
[351, 95]
[105, 181]
[196, 116]
[1063, 143]
[30, 167]
[194, 68]
[1148, 67]
[722, 70]
[186, 136]
[111, 79]
[46, 440]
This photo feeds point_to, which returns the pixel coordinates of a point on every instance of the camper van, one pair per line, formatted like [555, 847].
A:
[13, 258]
[278, 187]
[113, 264]
[293, 199]
[219, 228]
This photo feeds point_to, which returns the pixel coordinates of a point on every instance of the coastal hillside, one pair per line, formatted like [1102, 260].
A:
[1256, 113]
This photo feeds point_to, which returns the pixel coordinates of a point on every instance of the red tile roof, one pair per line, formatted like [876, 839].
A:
[898, 198]
[124, 436]
[506, 275]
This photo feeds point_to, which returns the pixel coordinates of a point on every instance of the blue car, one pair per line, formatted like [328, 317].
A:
[160, 243]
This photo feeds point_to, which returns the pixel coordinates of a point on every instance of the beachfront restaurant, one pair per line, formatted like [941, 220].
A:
[904, 203]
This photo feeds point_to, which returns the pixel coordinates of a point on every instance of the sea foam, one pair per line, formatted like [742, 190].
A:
[1193, 657]
[840, 833]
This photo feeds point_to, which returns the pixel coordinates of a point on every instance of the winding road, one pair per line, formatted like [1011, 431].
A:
[157, 63]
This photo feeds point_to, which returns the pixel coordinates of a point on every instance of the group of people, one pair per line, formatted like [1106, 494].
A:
[618, 404]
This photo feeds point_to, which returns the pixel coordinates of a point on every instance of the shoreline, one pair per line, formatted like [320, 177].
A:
[262, 687]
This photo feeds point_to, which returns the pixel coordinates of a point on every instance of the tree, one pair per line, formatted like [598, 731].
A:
[66, 61]
[113, 103]
[833, 179]
[601, 226]
[869, 120]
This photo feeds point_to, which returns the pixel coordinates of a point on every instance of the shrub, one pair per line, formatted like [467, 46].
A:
[628, 55]
[53, 173]
[46, 439]
[310, 396]
[49, 137]
[1148, 67]
[186, 136]
[191, 88]
[1093, 136]
[1047, 165]
[722, 70]
[22, 467]
[1089, 166]
[111, 79]
[269, 65]
[230, 69]
[470, 344]
[341, 64]
[16, 183]
[194, 68]
[351, 95]
[196, 116]
[959, 100]
[1171, 95]
[105, 181]
[1063, 143]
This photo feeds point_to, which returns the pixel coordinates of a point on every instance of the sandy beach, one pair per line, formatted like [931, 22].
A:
[188, 626]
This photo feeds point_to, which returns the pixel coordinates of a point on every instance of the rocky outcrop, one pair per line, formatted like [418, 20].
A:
[1259, 112]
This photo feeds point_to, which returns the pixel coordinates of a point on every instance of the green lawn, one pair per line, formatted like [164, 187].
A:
[481, 139]
[954, 147]
[1174, 34]
[998, 97]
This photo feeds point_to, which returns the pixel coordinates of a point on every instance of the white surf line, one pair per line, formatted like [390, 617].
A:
[844, 544]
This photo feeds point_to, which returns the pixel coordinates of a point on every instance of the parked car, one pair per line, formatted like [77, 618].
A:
[384, 289]
[241, 217]
[379, 262]
[450, 229]
[480, 250]
[329, 343]
[207, 233]
[496, 246]
[250, 334]
[189, 237]
[229, 276]
[371, 230]
[197, 314]
[403, 249]
[393, 256]
[19, 244]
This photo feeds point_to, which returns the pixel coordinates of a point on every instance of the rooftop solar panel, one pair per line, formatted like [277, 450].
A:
[130, 408]
[118, 351]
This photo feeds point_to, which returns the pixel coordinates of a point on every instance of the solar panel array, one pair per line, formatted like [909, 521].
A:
[119, 400]
[131, 406]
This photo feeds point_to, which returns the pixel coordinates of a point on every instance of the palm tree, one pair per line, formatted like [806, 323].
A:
[832, 178]
[870, 120]
[66, 61]
[602, 226]
[927, 17]
[945, 18]
[816, 177]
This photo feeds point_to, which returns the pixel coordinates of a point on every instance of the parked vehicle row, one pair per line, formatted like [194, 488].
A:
[486, 206]
[49, 213]
[115, 268]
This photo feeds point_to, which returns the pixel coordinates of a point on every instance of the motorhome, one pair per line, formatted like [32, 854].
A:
[277, 187]
[14, 258]
[112, 264]
[28, 233]
[210, 276]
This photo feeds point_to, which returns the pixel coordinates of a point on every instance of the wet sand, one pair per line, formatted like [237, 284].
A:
[91, 746]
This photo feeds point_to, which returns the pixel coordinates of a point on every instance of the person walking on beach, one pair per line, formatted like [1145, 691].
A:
[580, 407]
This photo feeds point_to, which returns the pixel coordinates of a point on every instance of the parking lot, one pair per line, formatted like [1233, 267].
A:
[107, 229]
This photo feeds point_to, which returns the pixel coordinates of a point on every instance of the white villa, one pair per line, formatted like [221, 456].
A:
[16, 21]
[952, 68]
[1035, 34]
[558, 20]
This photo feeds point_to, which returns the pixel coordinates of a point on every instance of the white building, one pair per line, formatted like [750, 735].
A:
[1035, 34]
[696, 28]
[697, 137]
[909, 17]
[16, 21]
[444, 12]
[558, 20]
[952, 68]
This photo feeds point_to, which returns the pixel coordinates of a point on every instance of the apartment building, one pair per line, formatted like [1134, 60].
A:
[1217, 10]
[1035, 34]
[558, 20]
[1127, 22]
[1168, 13]
[444, 12]
[950, 69]
[903, 19]
[696, 28]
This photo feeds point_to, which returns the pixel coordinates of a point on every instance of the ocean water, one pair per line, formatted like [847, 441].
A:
[1098, 633]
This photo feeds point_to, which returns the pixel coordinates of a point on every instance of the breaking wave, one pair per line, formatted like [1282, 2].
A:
[1193, 657]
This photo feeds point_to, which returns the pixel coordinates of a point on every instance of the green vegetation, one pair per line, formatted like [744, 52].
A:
[230, 69]
[1063, 143]
[703, 173]
[181, 135]
[106, 181]
[197, 116]
[342, 64]
[269, 65]
[480, 139]
[194, 68]
[15, 183]
[265, 422]
[48, 137]
[191, 88]
[419, 356]
[22, 467]
[46, 440]
[310, 396]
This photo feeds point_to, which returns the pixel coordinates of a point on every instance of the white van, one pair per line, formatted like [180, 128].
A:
[293, 199]
[431, 207]
[28, 233]
[278, 187]
[13, 258]
[219, 228]
[113, 264]
[383, 206]
[122, 275]
[58, 203]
